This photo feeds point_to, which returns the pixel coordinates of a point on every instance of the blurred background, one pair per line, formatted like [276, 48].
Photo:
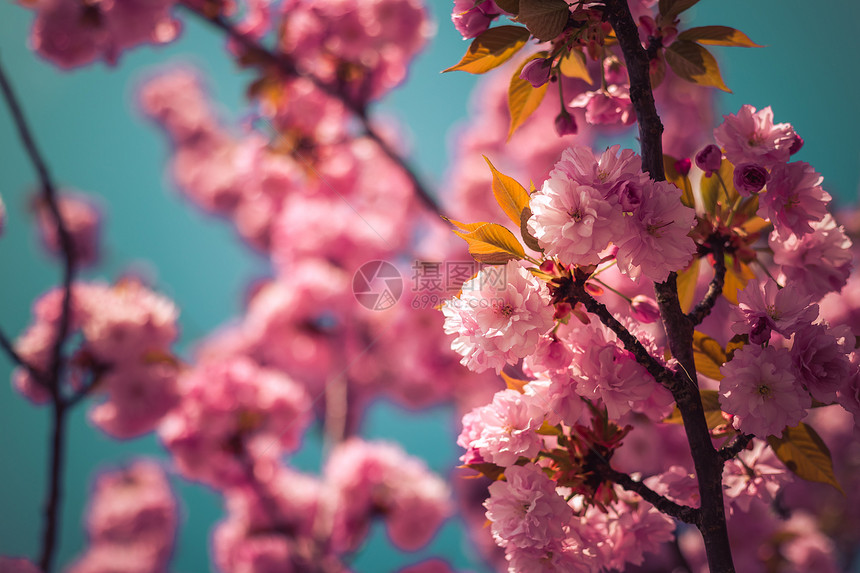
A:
[95, 140]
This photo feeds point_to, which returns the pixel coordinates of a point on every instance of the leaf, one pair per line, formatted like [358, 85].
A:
[805, 454]
[528, 238]
[546, 429]
[708, 355]
[545, 19]
[492, 48]
[682, 182]
[687, 281]
[670, 9]
[509, 6]
[711, 405]
[514, 383]
[492, 244]
[523, 98]
[468, 227]
[695, 64]
[736, 279]
[713, 191]
[510, 195]
[573, 66]
[718, 36]
[487, 469]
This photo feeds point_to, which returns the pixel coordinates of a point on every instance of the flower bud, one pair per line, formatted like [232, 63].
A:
[683, 165]
[645, 309]
[709, 159]
[749, 178]
[565, 124]
[537, 71]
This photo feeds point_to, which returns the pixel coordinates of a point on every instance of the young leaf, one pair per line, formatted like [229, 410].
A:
[467, 227]
[695, 64]
[803, 452]
[687, 280]
[736, 279]
[492, 48]
[492, 244]
[708, 355]
[713, 191]
[682, 182]
[510, 195]
[523, 98]
[670, 9]
[528, 238]
[573, 66]
[718, 36]
[514, 383]
[509, 6]
[545, 19]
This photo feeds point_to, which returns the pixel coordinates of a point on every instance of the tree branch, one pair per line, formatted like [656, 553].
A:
[286, 65]
[54, 375]
[679, 328]
[715, 289]
[680, 512]
[734, 447]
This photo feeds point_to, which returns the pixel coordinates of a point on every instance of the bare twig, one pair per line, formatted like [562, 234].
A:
[703, 309]
[680, 512]
[734, 447]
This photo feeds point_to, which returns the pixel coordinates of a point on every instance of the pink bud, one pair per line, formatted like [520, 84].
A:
[645, 309]
[537, 71]
[709, 159]
[750, 178]
[562, 309]
[565, 124]
[683, 165]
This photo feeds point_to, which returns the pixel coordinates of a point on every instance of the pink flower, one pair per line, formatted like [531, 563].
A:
[816, 263]
[755, 474]
[794, 199]
[504, 430]
[849, 394]
[763, 307]
[472, 17]
[81, 219]
[499, 317]
[709, 159]
[71, 33]
[572, 221]
[749, 178]
[537, 71]
[610, 173]
[762, 392]
[525, 509]
[656, 240]
[751, 137]
[606, 107]
[820, 357]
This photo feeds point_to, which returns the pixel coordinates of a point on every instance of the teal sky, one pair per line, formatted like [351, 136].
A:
[95, 141]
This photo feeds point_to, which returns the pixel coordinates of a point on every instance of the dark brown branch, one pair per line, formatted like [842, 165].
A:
[715, 289]
[680, 512]
[678, 327]
[9, 349]
[54, 374]
[287, 66]
[734, 447]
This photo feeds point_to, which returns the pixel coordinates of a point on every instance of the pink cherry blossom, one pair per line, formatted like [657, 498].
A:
[762, 391]
[750, 136]
[794, 199]
[499, 317]
[81, 219]
[820, 356]
[525, 509]
[503, 430]
[755, 474]
[656, 240]
[608, 173]
[763, 307]
[606, 107]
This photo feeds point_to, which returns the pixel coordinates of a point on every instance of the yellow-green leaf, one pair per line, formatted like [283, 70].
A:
[545, 19]
[670, 9]
[695, 64]
[709, 355]
[491, 49]
[514, 383]
[714, 193]
[467, 227]
[718, 36]
[736, 279]
[687, 281]
[493, 244]
[546, 429]
[523, 98]
[682, 182]
[510, 195]
[573, 66]
[711, 405]
[803, 452]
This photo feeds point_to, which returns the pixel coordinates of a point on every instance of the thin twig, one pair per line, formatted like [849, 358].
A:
[715, 289]
[286, 65]
[55, 367]
[734, 447]
[680, 512]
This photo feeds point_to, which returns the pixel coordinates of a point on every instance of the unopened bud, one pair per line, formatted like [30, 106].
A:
[749, 178]
[537, 71]
[565, 124]
[683, 165]
[645, 309]
[709, 159]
